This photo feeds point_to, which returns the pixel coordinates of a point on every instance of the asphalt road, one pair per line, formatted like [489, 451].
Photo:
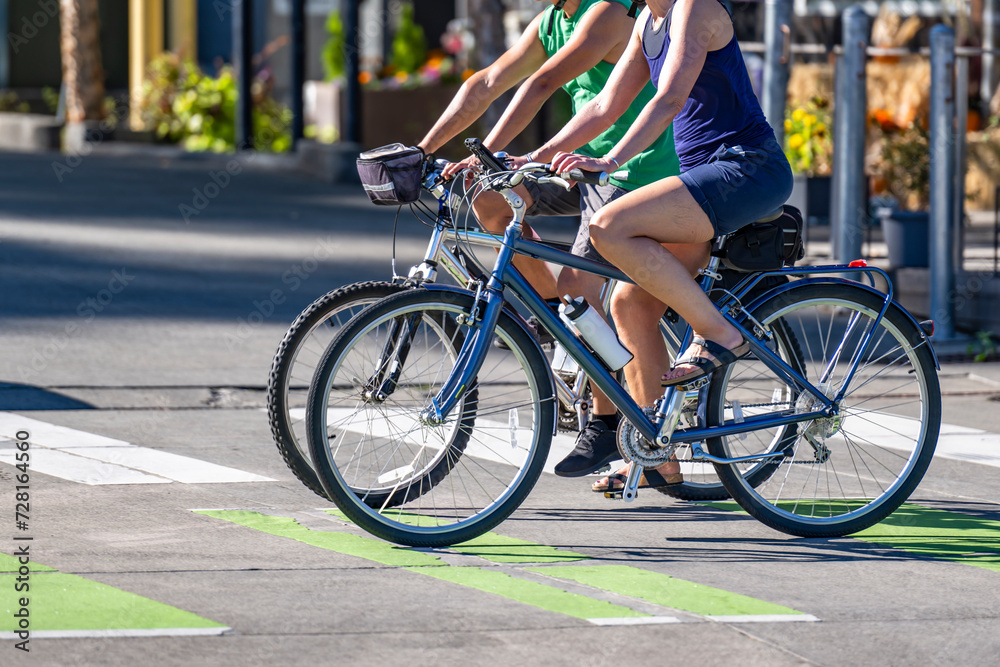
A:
[135, 330]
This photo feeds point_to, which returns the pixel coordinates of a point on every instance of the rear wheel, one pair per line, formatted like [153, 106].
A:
[843, 473]
[295, 364]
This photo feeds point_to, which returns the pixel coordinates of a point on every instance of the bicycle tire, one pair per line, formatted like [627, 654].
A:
[483, 486]
[294, 360]
[861, 465]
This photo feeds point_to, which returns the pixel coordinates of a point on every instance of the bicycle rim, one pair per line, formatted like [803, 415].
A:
[448, 483]
[841, 474]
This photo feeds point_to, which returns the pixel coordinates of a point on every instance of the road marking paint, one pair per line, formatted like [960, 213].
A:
[344, 543]
[638, 620]
[93, 459]
[114, 634]
[960, 443]
[503, 549]
[666, 591]
[766, 618]
[50, 435]
[929, 532]
[62, 602]
[529, 592]
[65, 465]
[178, 468]
[939, 534]
[658, 589]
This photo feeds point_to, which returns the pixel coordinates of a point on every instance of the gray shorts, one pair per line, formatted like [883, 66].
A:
[584, 200]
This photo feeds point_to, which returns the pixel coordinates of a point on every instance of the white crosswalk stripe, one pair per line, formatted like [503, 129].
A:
[93, 459]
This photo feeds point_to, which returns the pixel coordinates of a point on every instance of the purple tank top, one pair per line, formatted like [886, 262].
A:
[722, 107]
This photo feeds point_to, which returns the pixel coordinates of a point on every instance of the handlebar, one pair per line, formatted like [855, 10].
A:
[492, 165]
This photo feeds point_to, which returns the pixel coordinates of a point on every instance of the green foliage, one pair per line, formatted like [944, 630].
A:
[184, 105]
[333, 49]
[904, 163]
[983, 347]
[409, 46]
[9, 101]
[808, 141]
[51, 98]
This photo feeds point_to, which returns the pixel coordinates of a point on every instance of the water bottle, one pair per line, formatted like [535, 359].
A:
[591, 326]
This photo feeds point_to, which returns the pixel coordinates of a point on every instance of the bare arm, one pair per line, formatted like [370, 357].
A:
[694, 29]
[626, 82]
[602, 34]
[483, 87]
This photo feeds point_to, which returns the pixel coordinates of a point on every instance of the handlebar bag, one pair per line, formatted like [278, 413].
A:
[391, 174]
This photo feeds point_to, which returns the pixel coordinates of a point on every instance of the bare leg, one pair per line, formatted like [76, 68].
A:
[637, 315]
[629, 233]
[580, 283]
[494, 214]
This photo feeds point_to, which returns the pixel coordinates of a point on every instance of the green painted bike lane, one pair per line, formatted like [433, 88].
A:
[651, 587]
[930, 533]
[68, 605]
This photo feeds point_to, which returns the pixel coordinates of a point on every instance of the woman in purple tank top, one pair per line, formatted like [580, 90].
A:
[733, 173]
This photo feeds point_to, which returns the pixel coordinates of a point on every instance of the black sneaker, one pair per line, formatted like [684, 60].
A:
[596, 446]
[538, 332]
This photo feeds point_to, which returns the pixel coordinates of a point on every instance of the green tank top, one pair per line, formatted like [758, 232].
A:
[656, 162]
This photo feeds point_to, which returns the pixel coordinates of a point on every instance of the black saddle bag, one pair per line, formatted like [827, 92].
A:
[766, 246]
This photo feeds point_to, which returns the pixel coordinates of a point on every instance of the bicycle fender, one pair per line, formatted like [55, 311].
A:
[921, 337]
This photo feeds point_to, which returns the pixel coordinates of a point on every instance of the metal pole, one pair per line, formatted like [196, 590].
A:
[942, 137]
[777, 40]
[961, 127]
[991, 42]
[243, 72]
[352, 68]
[5, 47]
[850, 212]
[298, 69]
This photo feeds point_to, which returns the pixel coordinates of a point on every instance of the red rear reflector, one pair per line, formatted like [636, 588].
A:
[858, 264]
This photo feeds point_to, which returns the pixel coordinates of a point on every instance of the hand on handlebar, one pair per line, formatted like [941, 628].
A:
[453, 168]
[562, 163]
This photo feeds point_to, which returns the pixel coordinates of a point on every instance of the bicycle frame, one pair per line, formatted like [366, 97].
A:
[483, 320]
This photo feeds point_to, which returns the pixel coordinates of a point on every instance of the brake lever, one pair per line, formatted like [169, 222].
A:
[558, 180]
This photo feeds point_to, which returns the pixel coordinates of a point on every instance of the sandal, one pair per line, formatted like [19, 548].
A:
[650, 479]
[723, 357]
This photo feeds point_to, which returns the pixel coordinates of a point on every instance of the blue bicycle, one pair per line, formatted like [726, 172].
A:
[426, 434]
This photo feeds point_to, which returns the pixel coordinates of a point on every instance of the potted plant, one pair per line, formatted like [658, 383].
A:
[809, 148]
[901, 171]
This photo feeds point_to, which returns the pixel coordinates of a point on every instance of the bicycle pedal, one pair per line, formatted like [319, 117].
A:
[613, 495]
[697, 384]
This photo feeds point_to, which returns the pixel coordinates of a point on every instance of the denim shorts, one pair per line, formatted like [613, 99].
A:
[740, 184]
[583, 200]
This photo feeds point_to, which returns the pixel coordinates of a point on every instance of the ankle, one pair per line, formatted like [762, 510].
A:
[611, 421]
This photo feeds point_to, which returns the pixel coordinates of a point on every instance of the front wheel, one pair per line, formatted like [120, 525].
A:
[840, 474]
[442, 484]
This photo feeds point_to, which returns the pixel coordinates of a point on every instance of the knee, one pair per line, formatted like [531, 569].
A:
[632, 306]
[600, 230]
[492, 212]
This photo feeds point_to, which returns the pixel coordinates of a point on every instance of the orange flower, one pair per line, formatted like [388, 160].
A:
[364, 77]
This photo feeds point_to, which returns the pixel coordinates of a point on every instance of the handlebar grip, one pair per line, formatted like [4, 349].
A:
[591, 177]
